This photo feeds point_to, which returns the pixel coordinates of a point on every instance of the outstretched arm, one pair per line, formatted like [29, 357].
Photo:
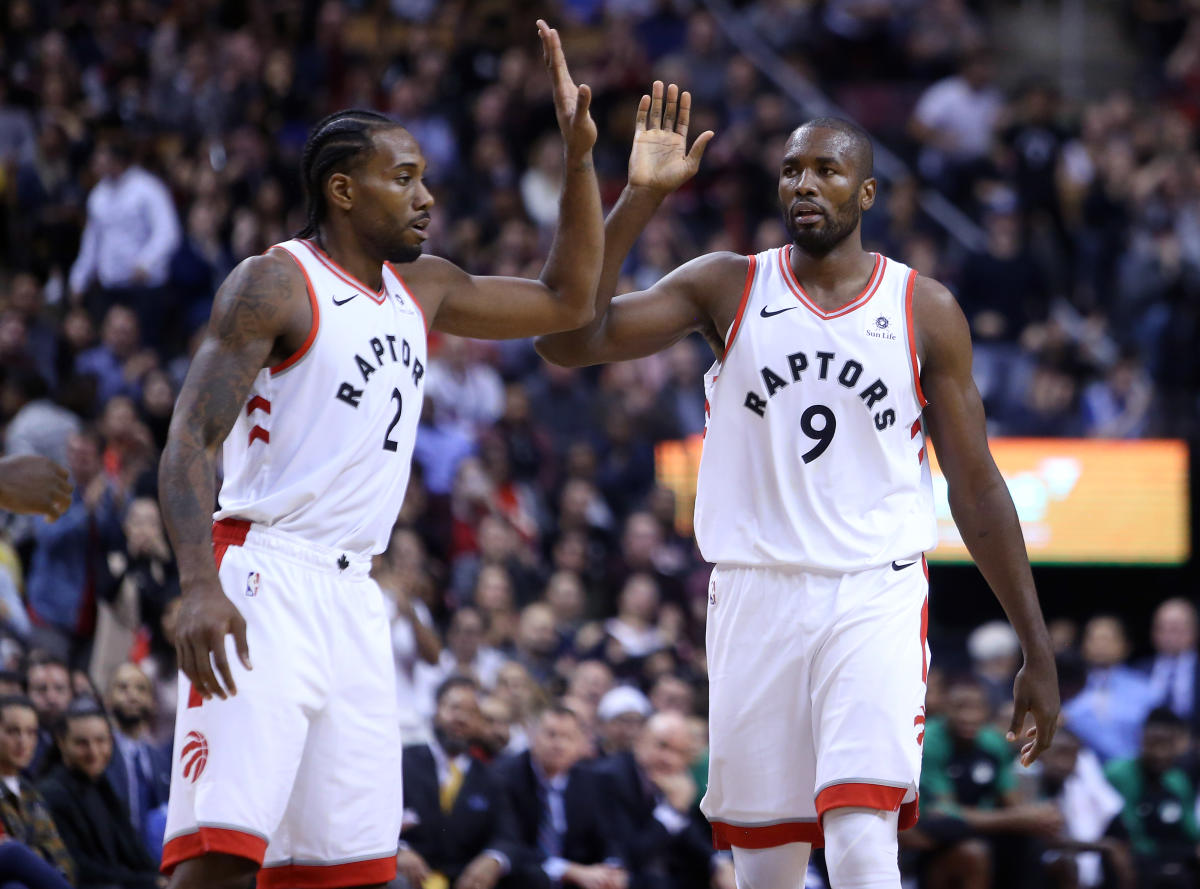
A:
[981, 505]
[639, 324]
[250, 312]
[561, 299]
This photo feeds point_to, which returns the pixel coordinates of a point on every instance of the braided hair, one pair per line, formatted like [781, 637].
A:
[334, 146]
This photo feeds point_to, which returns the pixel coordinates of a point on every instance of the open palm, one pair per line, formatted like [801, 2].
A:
[660, 160]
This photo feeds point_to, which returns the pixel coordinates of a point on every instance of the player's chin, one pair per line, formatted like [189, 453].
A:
[405, 252]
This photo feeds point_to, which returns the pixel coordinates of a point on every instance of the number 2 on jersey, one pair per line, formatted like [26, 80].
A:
[822, 436]
[388, 444]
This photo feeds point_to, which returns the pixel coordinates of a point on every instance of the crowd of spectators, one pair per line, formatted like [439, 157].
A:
[147, 146]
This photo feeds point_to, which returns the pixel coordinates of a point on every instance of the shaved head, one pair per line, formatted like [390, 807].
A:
[851, 139]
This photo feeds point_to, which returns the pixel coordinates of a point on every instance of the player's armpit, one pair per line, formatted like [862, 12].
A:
[701, 295]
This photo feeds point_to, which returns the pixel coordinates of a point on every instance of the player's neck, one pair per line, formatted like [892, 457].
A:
[349, 252]
[833, 278]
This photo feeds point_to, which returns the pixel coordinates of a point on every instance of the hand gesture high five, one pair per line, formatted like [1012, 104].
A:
[571, 102]
[658, 161]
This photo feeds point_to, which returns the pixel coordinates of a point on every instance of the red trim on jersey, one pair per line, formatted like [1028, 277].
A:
[912, 336]
[258, 403]
[867, 796]
[741, 310]
[259, 434]
[312, 329]
[916, 427]
[767, 836]
[873, 282]
[225, 533]
[408, 290]
[925, 628]
[921, 455]
[327, 876]
[194, 697]
[212, 839]
[331, 264]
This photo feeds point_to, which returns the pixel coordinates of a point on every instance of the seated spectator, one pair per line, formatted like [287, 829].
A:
[140, 771]
[25, 869]
[560, 808]
[1160, 805]
[496, 727]
[1108, 714]
[49, 684]
[1091, 843]
[633, 634]
[621, 714]
[526, 697]
[665, 840]
[23, 813]
[538, 645]
[1174, 671]
[995, 657]
[464, 655]
[457, 827]
[93, 821]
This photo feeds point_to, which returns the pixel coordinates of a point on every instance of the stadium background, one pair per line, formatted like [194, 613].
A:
[1038, 157]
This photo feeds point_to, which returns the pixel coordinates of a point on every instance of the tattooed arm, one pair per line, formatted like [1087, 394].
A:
[260, 312]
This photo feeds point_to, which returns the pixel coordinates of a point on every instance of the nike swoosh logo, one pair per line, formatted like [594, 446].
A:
[342, 302]
[767, 314]
[896, 566]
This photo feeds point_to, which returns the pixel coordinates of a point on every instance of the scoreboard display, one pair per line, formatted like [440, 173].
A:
[1080, 501]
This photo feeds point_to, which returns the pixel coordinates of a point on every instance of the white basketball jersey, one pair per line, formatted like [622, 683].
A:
[814, 455]
[323, 447]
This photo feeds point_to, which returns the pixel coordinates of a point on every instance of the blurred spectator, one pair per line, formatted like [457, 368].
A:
[538, 645]
[119, 363]
[68, 573]
[132, 230]
[667, 843]
[93, 821]
[1108, 714]
[560, 808]
[496, 728]
[995, 654]
[49, 683]
[140, 770]
[621, 714]
[1174, 670]
[464, 655]
[1160, 805]
[456, 815]
[467, 393]
[23, 813]
[36, 425]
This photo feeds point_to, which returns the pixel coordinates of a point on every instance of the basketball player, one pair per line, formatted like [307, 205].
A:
[310, 382]
[833, 366]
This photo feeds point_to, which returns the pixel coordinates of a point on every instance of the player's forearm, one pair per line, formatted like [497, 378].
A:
[186, 493]
[622, 228]
[987, 520]
[573, 266]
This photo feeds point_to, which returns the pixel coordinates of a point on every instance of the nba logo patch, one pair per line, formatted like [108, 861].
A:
[252, 583]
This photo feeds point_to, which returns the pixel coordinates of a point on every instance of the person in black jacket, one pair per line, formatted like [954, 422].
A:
[90, 816]
[457, 830]
[561, 809]
[665, 840]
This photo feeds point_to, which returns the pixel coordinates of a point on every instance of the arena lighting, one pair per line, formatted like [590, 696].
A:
[1080, 501]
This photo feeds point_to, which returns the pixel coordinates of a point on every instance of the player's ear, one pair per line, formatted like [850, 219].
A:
[866, 193]
[339, 191]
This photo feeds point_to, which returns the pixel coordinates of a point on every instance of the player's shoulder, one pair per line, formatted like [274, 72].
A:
[261, 293]
[712, 272]
[935, 309]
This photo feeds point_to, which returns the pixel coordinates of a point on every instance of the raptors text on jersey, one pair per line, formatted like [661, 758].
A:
[323, 447]
[814, 452]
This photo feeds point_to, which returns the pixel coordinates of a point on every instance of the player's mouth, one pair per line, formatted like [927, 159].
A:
[420, 226]
[807, 213]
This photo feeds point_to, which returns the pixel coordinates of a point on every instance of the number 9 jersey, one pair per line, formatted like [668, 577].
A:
[814, 452]
[323, 445]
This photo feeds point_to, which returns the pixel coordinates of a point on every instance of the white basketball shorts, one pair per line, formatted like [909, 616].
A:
[817, 694]
[300, 770]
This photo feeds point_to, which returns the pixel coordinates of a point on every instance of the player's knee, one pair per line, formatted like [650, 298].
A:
[777, 867]
[861, 849]
[214, 871]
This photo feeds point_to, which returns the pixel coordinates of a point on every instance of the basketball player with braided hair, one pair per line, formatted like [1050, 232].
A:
[309, 383]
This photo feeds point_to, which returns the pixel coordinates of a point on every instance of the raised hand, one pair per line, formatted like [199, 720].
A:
[659, 160]
[571, 102]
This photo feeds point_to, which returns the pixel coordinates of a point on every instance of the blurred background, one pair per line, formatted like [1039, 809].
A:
[1039, 157]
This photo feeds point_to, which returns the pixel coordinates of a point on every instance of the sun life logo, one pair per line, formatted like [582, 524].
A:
[880, 330]
[194, 755]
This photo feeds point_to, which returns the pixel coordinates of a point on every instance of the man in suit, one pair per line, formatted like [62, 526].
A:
[560, 810]
[665, 841]
[140, 770]
[1174, 671]
[457, 831]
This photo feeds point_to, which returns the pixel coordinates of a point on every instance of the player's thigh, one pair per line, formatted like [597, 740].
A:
[214, 871]
[761, 763]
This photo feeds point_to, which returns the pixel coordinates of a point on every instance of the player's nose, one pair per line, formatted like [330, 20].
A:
[424, 198]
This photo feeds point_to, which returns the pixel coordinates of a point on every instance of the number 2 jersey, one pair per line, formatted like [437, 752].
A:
[323, 445]
[814, 454]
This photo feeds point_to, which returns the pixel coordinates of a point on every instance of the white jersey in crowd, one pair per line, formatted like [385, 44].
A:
[323, 447]
[814, 454]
